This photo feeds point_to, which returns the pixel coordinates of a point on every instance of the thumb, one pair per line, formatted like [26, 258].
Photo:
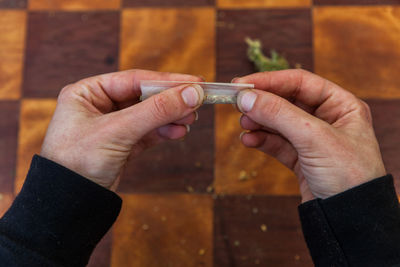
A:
[277, 113]
[160, 109]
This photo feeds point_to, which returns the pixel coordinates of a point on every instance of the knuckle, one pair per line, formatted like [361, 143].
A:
[366, 106]
[363, 110]
[65, 92]
[301, 72]
[300, 75]
[368, 113]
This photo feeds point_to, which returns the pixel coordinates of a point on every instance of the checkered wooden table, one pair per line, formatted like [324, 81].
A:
[184, 204]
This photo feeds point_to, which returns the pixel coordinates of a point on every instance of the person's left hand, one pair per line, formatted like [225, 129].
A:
[99, 123]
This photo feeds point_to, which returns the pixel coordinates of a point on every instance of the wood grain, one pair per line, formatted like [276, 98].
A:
[34, 120]
[240, 4]
[170, 3]
[241, 170]
[176, 166]
[163, 230]
[386, 118]
[173, 40]
[258, 231]
[63, 47]
[357, 47]
[5, 202]
[13, 3]
[73, 4]
[288, 31]
[12, 43]
[9, 111]
[355, 2]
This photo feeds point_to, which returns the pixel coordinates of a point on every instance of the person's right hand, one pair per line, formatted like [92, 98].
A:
[314, 127]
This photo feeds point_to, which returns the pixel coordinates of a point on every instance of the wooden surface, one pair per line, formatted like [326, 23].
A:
[177, 226]
[287, 30]
[189, 166]
[356, 2]
[64, 47]
[12, 41]
[369, 46]
[240, 4]
[386, 117]
[34, 119]
[253, 231]
[8, 144]
[239, 170]
[186, 202]
[169, 3]
[177, 40]
[13, 3]
[73, 4]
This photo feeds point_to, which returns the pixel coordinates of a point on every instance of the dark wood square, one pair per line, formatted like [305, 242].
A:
[176, 166]
[287, 31]
[13, 3]
[8, 144]
[386, 118]
[170, 3]
[63, 47]
[258, 231]
[356, 2]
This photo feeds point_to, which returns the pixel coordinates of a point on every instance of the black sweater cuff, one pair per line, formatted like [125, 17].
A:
[59, 215]
[359, 227]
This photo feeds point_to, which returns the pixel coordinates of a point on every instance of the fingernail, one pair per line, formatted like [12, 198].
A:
[192, 95]
[202, 77]
[196, 116]
[241, 135]
[246, 100]
[240, 119]
[187, 128]
[234, 79]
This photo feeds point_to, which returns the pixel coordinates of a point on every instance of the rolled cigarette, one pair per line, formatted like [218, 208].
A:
[219, 99]
[214, 93]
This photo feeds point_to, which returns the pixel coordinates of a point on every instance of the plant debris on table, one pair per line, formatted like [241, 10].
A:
[262, 62]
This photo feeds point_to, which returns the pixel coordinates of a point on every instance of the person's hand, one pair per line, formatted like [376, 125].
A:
[99, 122]
[314, 127]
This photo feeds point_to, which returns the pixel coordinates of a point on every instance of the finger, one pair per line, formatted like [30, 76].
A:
[273, 145]
[249, 124]
[189, 119]
[122, 88]
[158, 110]
[158, 136]
[306, 89]
[278, 114]
[149, 140]
[172, 131]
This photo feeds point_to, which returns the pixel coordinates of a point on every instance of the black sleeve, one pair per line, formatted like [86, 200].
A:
[359, 227]
[57, 219]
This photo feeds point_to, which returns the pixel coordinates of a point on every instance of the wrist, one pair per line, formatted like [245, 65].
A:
[76, 168]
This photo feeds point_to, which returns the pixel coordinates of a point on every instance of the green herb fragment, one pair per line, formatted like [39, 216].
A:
[263, 63]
